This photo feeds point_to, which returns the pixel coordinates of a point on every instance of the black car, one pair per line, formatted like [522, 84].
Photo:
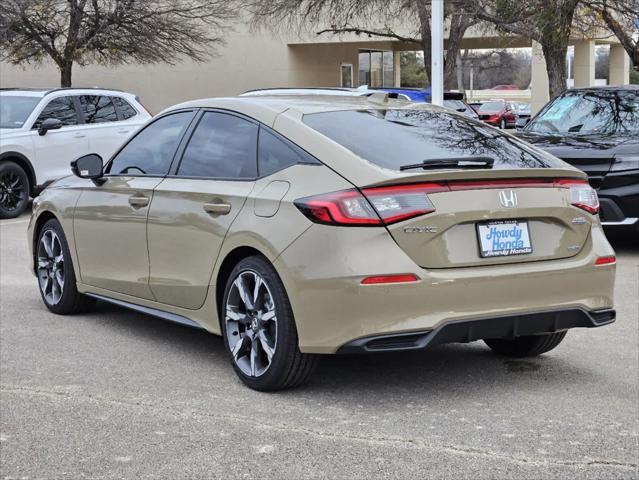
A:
[597, 130]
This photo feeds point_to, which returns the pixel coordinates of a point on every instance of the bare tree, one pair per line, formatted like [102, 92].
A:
[621, 17]
[371, 18]
[110, 31]
[548, 22]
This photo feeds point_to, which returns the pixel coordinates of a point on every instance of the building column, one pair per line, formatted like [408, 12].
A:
[538, 80]
[584, 64]
[398, 68]
[619, 66]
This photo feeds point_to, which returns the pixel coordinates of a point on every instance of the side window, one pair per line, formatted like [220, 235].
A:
[151, 151]
[126, 110]
[274, 154]
[62, 108]
[222, 146]
[98, 109]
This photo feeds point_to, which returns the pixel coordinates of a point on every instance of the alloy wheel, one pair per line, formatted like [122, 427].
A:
[12, 191]
[251, 323]
[51, 267]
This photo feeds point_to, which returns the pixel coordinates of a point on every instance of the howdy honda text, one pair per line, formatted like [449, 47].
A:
[504, 238]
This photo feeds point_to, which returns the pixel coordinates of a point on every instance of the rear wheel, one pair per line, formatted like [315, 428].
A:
[56, 277]
[529, 346]
[14, 190]
[259, 329]
[502, 124]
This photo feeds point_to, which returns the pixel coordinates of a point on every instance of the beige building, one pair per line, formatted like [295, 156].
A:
[253, 60]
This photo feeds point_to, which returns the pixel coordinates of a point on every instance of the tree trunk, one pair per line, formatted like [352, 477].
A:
[556, 69]
[460, 73]
[423, 12]
[65, 73]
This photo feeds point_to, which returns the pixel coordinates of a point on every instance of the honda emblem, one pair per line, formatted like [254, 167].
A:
[508, 198]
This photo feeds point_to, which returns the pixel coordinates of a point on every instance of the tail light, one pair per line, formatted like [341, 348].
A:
[370, 207]
[378, 206]
[582, 195]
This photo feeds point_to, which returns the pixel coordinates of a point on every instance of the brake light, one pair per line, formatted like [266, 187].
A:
[377, 206]
[582, 195]
[371, 207]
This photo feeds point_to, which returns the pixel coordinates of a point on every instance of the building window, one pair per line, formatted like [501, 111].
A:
[346, 75]
[376, 68]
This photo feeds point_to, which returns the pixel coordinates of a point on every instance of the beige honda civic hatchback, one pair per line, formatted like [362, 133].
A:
[301, 226]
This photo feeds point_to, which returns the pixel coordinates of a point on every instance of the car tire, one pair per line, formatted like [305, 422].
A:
[54, 269]
[14, 190]
[502, 124]
[528, 346]
[259, 329]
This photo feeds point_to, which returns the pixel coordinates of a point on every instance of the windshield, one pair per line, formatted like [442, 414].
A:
[455, 105]
[491, 107]
[15, 110]
[392, 138]
[590, 112]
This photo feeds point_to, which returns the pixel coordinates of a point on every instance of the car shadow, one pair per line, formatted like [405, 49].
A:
[428, 372]
[624, 240]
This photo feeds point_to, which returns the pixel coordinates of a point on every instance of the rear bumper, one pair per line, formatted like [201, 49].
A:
[465, 331]
[322, 272]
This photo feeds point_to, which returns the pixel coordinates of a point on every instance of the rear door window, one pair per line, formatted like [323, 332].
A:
[62, 108]
[98, 109]
[396, 137]
[222, 146]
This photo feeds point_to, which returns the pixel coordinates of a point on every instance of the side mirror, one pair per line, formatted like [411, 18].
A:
[49, 124]
[89, 166]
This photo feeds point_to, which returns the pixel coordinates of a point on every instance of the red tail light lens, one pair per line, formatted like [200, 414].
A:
[372, 207]
[582, 195]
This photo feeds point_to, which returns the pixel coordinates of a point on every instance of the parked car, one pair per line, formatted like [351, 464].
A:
[597, 130]
[476, 106]
[523, 114]
[498, 113]
[41, 131]
[298, 226]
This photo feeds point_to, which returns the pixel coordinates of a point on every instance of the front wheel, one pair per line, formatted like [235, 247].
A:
[56, 277]
[502, 124]
[14, 190]
[528, 346]
[259, 329]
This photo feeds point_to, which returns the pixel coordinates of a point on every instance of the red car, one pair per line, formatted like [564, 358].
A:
[498, 113]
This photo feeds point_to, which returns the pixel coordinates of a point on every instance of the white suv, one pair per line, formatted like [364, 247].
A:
[42, 131]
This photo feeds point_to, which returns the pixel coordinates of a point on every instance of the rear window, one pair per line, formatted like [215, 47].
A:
[126, 110]
[392, 138]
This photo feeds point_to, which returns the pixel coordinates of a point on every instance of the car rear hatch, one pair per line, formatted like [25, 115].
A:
[488, 221]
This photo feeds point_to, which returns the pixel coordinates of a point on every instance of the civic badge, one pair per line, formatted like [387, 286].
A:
[508, 198]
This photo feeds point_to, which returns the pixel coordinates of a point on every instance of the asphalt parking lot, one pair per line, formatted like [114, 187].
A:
[115, 394]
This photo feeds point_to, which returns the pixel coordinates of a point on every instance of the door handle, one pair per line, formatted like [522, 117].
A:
[79, 135]
[138, 201]
[123, 131]
[217, 208]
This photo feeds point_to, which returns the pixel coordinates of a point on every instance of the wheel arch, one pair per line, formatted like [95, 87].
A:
[43, 218]
[228, 264]
[26, 165]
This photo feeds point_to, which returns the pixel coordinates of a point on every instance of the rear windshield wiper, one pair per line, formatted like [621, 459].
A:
[453, 162]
